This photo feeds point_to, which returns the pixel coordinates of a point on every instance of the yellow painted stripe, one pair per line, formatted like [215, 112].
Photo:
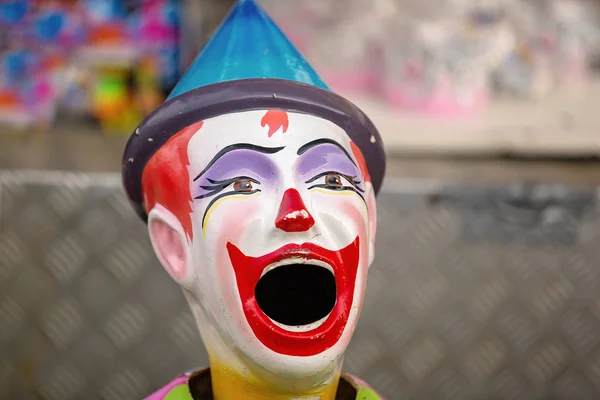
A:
[342, 193]
[218, 202]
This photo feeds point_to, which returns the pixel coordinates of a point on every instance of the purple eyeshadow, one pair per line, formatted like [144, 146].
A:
[260, 167]
[236, 163]
[323, 158]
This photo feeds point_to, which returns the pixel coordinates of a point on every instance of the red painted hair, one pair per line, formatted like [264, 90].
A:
[166, 180]
[276, 119]
[362, 164]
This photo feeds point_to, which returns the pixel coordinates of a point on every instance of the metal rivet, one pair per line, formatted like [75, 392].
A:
[274, 96]
[137, 131]
[150, 139]
[373, 140]
[130, 160]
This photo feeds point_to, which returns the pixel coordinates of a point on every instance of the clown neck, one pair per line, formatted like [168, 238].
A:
[234, 376]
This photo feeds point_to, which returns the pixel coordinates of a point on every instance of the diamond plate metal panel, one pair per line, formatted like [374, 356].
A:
[476, 293]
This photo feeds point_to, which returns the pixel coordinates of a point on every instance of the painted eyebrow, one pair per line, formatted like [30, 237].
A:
[319, 142]
[238, 146]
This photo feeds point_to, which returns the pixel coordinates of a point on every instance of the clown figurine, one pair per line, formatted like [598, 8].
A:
[258, 187]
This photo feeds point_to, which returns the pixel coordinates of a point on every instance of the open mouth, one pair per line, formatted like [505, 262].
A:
[297, 299]
[297, 296]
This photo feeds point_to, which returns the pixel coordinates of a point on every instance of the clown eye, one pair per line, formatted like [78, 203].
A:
[333, 180]
[242, 186]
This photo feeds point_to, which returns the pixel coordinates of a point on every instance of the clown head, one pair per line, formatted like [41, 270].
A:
[259, 196]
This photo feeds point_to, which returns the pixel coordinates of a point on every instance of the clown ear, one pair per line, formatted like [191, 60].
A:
[170, 244]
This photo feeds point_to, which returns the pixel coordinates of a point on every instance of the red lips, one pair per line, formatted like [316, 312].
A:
[248, 271]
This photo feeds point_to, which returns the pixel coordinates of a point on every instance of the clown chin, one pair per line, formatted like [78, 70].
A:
[297, 299]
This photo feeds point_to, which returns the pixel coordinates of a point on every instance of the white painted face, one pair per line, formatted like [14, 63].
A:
[283, 219]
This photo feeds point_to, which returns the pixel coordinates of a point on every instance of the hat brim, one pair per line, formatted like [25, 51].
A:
[243, 95]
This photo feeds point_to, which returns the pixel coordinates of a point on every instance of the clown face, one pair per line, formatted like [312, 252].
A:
[281, 230]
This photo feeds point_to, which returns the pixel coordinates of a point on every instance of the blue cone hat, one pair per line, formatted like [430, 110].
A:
[247, 45]
[248, 64]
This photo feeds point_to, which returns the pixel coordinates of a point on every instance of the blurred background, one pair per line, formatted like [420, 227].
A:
[486, 283]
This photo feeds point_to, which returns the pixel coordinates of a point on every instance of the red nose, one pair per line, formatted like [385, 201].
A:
[293, 215]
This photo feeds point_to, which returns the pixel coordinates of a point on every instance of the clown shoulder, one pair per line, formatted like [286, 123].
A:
[258, 185]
